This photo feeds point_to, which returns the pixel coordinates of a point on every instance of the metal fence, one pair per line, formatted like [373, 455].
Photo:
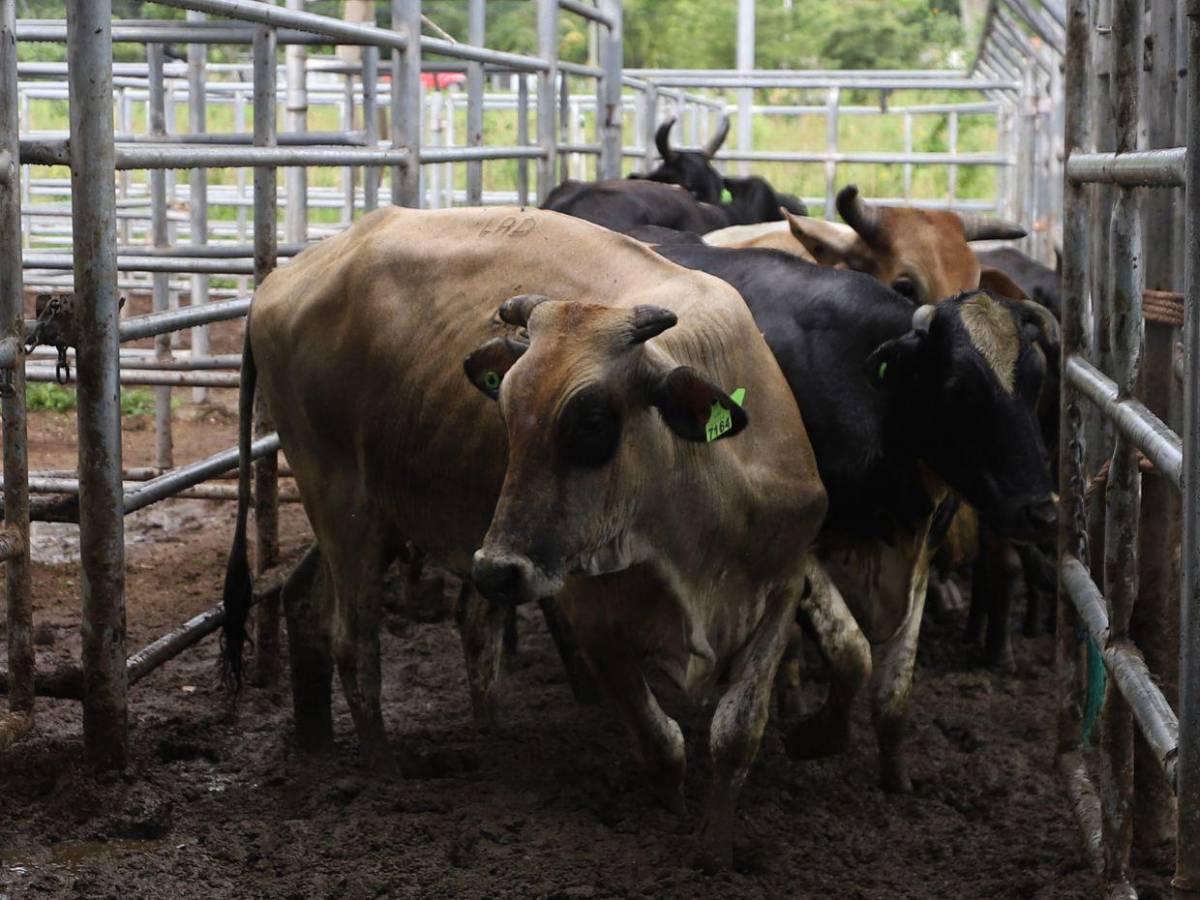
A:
[1129, 550]
[132, 233]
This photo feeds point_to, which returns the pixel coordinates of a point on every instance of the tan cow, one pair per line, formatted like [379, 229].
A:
[764, 236]
[672, 522]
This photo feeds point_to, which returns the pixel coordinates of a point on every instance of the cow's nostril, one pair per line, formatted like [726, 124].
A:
[496, 579]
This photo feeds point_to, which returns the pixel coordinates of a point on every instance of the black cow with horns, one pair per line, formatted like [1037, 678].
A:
[745, 201]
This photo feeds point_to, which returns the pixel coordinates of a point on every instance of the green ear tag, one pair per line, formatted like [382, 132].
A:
[726, 197]
[882, 370]
[738, 396]
[719, 422]
[491, 380]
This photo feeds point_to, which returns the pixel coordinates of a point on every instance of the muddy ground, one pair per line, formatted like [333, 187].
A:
[217, 802]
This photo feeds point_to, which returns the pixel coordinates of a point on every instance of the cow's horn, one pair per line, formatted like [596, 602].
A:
[858, 214]
[516, 310]
[986, 228]
[923, 318]
[662, 140]
[1044, 318]
[649, 321]
[715, 142]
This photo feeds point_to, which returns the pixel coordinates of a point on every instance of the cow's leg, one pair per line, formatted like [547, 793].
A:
[306, 606]
[657, 736]
[738, 724]
[579, 676]
[356, 566]
[891, 681]
[997, 578]
[787, 682]
[481, 627]
[510, 631]
[848, 653]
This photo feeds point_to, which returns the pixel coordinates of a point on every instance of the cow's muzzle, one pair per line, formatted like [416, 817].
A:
[1032, 521]
[510, 579]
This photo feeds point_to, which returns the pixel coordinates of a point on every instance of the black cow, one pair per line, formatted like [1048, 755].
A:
[891, 394]
[622, 204]
[745, 201]
[1039, 282]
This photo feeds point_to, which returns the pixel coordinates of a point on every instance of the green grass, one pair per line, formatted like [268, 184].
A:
[50, 397]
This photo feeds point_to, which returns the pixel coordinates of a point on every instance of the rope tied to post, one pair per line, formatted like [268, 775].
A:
[1163, 307]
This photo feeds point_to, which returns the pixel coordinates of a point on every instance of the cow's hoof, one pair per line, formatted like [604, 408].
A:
[818, 736]
[894, 778]
[484, 716]
[1001, 661]
[714, 851]
[670, 794]
[789, 701]
[583, 684]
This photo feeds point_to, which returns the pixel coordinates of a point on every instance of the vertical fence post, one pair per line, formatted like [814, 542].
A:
[16, 446]
[197, 55]
[831, 146]
[1076, 228]
[649, 124]
[406, 102]
[295, 178]
[952, 170]
[346, 108]
[1154, 625]
[1187, 840]
[568, 126]
[266, 489]
[101, 502]
[476, 34]
[163, 451]
[370, 117]
[547, 30]
[907, 174]
[522, 137]
[239, 125]
[1123, 494]
[745, 96]
[610, 121]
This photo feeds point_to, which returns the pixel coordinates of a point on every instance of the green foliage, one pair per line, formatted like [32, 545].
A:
[51, 397]
[137, 402]
[47, 396]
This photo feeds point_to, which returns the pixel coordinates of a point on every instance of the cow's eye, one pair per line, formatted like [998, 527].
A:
[957, 394]
[906, 287]
[588, 430]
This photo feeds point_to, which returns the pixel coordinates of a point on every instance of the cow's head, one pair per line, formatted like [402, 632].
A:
[921, 253]
[964, 385]
[593, 413]
[691, 169]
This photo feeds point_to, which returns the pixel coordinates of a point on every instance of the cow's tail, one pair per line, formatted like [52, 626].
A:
[239, 588]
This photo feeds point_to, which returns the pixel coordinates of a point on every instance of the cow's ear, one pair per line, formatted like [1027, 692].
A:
[825, 242]
[695, 408]
[893, 365]
[487, 366]
[999, 283]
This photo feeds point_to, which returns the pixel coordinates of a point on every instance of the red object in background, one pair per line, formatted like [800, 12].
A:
[439, 80]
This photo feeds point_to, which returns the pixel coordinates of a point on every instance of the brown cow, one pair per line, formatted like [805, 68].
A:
[672, 523]
[921, 253]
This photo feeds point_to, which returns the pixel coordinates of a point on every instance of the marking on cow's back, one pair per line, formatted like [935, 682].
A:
[510, 226]
[993, 334]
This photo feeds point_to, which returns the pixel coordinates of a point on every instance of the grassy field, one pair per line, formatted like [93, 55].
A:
[976, 133]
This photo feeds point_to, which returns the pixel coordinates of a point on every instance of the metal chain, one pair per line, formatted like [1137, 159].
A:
[1078, 484]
